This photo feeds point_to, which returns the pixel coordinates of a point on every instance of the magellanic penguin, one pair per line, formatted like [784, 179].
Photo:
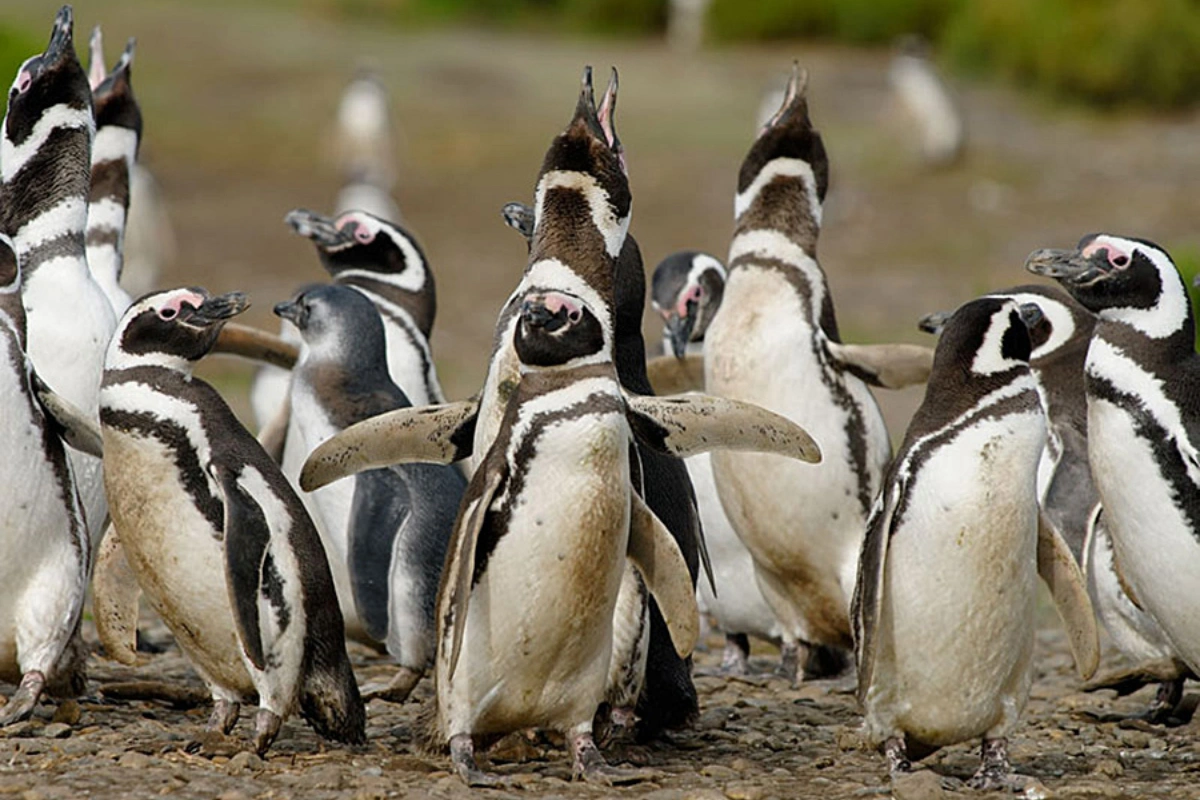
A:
[114, 153]
[45, 164]
[944, 610]
[386, 531]
[1143, 406]
[549, 517]
[924, 95]
[364, 148]
[775, 343]
[217, 538]
[686, 290]
[44, 547]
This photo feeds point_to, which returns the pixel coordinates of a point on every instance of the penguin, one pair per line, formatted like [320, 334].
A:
[686, 291]
[775, 343]
[945, 601]
[45, 160]
[114, 153]
[364, 148]
[385, 532]
[217, 538]
[923, 94]
[1143, 419]
[44, 545]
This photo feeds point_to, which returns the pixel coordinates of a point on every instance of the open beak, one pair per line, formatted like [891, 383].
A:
[220, 308]
[679, 331]
[319, 229]
[61, 43]
[1065, 265]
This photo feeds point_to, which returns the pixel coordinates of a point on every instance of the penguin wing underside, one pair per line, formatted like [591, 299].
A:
[685, 425]
[889, 366]
[379, 508]
[115, 594]
[867, 605]
[73, 425]
[671, 375]
[1057, 567]
[256, 345]
[438, 434]
[657, 557]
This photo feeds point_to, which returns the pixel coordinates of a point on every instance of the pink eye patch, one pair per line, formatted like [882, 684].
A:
[171, 308]
[554, 302]
[1116, 257]
[693, 294]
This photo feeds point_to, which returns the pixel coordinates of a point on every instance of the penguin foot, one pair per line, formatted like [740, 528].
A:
[735, 659]
[266, 728]
[789, 661]
[397, 689]
[20, 705]
[1170, 694]
[591, 767]
[994, 770]
[224, 715]
[462, 757]
[897, 755]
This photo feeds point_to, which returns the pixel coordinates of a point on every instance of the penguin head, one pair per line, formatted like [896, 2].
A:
[557, 329]
[338, 324]
[985, 337]
[53, 78]
[172, 328]
[1121, 279]
[357, 240]
[112, 93]
[686, 291]
[787, 163]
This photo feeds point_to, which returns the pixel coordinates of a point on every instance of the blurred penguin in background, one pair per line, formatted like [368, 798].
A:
[925, 98]
[364, 148]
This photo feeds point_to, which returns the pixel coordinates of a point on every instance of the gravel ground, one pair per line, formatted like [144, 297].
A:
[756, 738]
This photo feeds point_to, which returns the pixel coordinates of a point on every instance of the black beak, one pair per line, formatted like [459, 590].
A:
[1031, 315]
[535, 314]
[292, 311]
[519, 217]
[1064, 265]
[933, 323]
[61, 42]
[679, 331]
[220, 308]
[319, 229]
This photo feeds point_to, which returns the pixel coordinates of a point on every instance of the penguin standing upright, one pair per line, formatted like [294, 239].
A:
[217, 538]
[114, 153]
[45, 165]
[364, 148]
[44, 547]
[385, 532]
[1143, 420]
[944, 609]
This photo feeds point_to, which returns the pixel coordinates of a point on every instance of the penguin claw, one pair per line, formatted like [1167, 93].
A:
[266, 728]
[462, 757]
[735, 659]
[995, 771]
[20, 705]
[224, 716]
[590, 766]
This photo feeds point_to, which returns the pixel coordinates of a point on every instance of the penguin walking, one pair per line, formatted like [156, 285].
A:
[1142, 377]
[775, 343]
[45, 166]
[44, 547]
[216, 536]
[386, 531]
[114, 153]
[944, 609]
[686, 291]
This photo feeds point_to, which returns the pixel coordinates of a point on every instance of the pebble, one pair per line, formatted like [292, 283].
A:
[718, 771]
[1109, 768]
[68, 712]
[745, 791]
[135, 760]
[922, 784]
[56, 730]
[244, 761]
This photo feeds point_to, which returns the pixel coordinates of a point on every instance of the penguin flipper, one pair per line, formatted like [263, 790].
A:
[256, 345]
[75, 427]
[866, 607]
[115, 594]
[438, 434]
[380, 505]
[889, 366]
[657, 557]
[247, 536]
[671, 375]
[1058, 569]
[684, 425]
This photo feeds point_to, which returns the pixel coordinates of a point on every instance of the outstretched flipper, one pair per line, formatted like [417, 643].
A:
[890, 366]
[657, 557]
[256, 345]
[1061, 574]
[440, 434]
[670, 375]
[684, 425]
[115, 594]
[75, 427]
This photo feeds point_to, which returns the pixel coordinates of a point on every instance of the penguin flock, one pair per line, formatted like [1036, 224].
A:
[547, 548]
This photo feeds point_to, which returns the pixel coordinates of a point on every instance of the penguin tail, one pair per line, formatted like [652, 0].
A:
[330, 701]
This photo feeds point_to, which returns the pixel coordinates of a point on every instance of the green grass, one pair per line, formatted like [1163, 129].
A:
[16, 45]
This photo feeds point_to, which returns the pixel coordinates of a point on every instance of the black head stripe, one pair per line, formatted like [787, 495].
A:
[1015, 344]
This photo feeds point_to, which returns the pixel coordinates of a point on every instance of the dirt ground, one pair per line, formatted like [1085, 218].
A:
[238, 102]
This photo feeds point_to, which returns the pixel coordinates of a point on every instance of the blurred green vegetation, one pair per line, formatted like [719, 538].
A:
[16, 45]
[1187, 260]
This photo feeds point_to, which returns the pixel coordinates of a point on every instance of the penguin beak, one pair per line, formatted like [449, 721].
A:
[679, 330]
[535, 314]
[217, 309]
[519, 217]
[1067, 266]
[321, 230]
[61, 43]
[933, 323]
[293, 312]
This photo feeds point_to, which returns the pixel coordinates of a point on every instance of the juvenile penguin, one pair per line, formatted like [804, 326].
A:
[45, 166]
[946, 595]
[114, 153]
[1142, 381]
[386, 531]
[44, 547]
[218, 539]
[686, 291]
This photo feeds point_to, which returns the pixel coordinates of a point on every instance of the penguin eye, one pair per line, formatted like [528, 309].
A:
[24, 81]
[1120, 260]
[363, 235]
[168, 313]
[575, 315]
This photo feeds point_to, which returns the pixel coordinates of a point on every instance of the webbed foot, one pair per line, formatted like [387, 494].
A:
[224, 716]
[20, 705]
[1166, 700]
[995, 772]
[735, 659]
[462, 757]
[897, 755]
[591, 767]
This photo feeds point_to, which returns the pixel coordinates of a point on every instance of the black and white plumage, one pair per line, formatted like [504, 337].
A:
[44, 547]
[1142, 381]
[686, 290]
[114, 153]
[386, 531]
[216, 536]
[45, 165]
[944, 609]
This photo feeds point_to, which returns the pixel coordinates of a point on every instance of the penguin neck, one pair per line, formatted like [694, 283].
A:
[113, 155]
[349, 392]
[1164, 332]
[782, 197]
[420, 306]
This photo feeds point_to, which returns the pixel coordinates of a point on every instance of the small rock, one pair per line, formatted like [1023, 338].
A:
[68, 712]
[32, 794]
[703, 794]
[56, 730]
[1034, 790]
[848, 740]
[919, 785]
[745, 791]
[1135, 739]
[233, 794]
[751, 739]
[135, 760]
[1109, 768]
[245, 761]
[718, 771]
